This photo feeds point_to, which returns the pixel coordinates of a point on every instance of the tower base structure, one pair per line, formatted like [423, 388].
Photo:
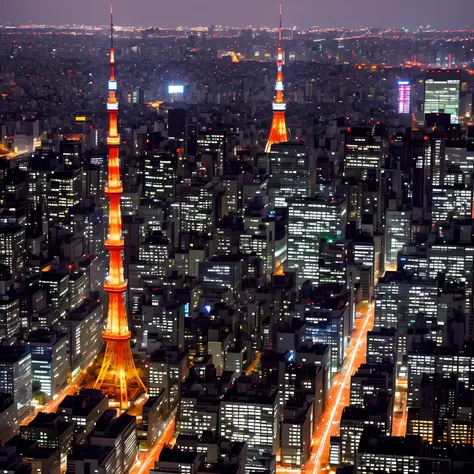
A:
[278, 131]
[118, 378]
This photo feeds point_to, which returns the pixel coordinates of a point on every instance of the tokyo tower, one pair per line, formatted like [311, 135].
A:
[118, 376]
[278, 131]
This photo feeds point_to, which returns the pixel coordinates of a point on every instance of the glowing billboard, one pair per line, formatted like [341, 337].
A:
[175, 89]
[404, 92]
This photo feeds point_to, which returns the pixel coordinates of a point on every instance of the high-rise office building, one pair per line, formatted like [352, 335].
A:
[64, 192]
[195, 207]
[296, 433]
[166, 370]
[289, 172]
[56, 285]
[362, 152]
[310, 220]
[251, 414]
[84, 327]
[15, 375]
[160, 176]
[9, 318]
[397, 235]
[443, 92]
[49, 361]
[218, 144]
[12, 249]
[398, 294]
[453, 200]
[118, 433]
[155, 251]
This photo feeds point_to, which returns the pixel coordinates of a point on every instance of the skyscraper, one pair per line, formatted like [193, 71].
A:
[278, 131]
[118, 374]
[310, 220]
[362, 153]
[442, 92]
[289, 172]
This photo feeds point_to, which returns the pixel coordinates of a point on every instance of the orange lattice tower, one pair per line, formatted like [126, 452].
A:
[278, 131]
[118, 376]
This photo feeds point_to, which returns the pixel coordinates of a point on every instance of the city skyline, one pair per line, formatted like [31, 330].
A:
[326, 14]
[227, 253]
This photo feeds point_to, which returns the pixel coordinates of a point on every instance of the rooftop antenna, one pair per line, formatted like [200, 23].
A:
[279, 30]
[111, 25]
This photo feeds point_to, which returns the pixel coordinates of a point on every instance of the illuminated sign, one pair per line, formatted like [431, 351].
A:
[175, 89]
[404, 93]
[81, 118]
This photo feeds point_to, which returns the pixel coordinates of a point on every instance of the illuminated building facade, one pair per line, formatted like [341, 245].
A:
[222, 275]
[379, 453]
[404, 97]
[289, 172]
[278, 131]
[217, 144]
[296, 433]
[9, 317]
[454, 259]
[12, 249]
[195, 207]
[443, 92]
[155, 252]
[398, 294]
[160, 175]
[381, 345]
[251, 415]
[309, 220]
[56, 285]
[453, 200]
[427, 359]
[118, 375]
[362, 152]
[84, 326]
[49, 361]
[64, 192]
[50, 431]
[120, 434]
[166, 370]
[15, 376]
[397, 234]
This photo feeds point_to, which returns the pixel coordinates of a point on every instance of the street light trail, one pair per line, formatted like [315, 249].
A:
[361, 339]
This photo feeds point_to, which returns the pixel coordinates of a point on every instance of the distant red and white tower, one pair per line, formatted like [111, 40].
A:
[278, 131]
[118, 376]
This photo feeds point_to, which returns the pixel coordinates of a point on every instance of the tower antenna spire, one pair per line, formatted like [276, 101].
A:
[279, 29]
[111, 25]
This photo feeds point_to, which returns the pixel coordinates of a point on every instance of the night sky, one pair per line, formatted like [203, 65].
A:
[304, 13]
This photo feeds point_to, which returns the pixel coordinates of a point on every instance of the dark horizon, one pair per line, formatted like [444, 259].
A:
[306, 13]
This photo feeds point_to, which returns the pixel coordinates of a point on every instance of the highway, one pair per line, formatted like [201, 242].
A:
[146, 460]
[399, 419]
[253, 365]
[53, 405]
[339, 396]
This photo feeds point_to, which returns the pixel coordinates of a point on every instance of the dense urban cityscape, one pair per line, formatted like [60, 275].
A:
[236, 250]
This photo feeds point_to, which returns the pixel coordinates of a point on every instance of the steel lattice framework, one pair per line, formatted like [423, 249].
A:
[278, 130]
[118, 376]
